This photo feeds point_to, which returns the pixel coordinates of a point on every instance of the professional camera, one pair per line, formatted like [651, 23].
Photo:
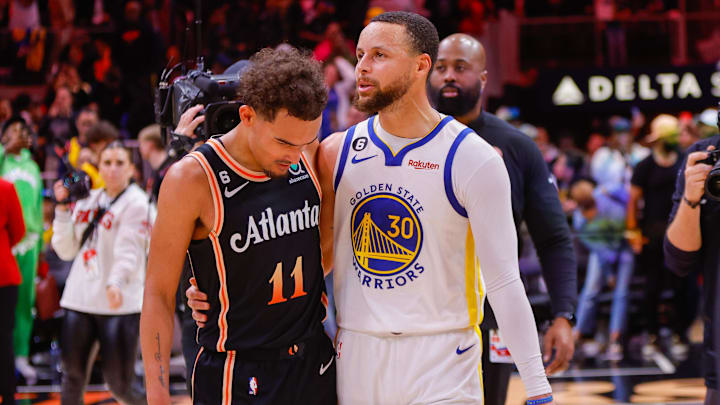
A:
[712, 183]
[78, 184]
[216, 92]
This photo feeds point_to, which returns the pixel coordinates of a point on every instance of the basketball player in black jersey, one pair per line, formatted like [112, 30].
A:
[244, 207]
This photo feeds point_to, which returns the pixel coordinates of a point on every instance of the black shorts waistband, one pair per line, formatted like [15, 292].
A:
[292, 350]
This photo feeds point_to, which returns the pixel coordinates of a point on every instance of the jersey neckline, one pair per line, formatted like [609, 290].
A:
[241, 170]
[395, 159]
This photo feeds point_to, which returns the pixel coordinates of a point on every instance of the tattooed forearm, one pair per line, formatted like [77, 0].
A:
[161, 377]
[158, 358]
[157, 353]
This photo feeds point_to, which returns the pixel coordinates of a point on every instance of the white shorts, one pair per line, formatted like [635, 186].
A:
[428, 369]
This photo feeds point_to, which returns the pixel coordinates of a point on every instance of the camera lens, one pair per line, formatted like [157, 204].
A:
[712, 183]
[78, 184]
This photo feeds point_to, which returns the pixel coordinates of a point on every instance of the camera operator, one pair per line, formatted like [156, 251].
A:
[692, 242]
[106, 235]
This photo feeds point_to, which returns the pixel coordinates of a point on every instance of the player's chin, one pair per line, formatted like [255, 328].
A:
[278, 171]
[366, 105]
[367, 96]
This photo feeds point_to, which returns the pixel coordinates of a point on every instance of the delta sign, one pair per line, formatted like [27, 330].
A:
[614, 89]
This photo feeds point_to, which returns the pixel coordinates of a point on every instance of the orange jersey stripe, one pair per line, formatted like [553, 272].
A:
[192, 379]
[219, 261]
[241, 171]
[312, 174]
[214, 191]
[222, 293]
[228, 378]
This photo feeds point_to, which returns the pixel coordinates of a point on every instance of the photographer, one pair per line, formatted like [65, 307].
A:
[693, 242]
[106, 235]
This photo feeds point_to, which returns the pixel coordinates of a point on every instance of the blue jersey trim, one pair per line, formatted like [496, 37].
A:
[343, 156]
[448, 173]
[392, 159]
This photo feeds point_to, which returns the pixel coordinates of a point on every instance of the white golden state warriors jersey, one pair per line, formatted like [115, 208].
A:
[405, 260]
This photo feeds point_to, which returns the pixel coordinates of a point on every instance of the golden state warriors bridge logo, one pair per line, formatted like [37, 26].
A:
[386, 238]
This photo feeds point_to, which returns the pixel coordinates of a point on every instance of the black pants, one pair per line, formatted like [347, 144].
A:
[8, 301]
[496, 376]
[658, 279]
[301, 374]
[118, 337]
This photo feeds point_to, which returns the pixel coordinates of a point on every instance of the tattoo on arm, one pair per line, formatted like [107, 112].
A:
[161, 377]
[158, 358]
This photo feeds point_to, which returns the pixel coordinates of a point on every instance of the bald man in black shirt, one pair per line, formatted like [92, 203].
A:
[456, 84]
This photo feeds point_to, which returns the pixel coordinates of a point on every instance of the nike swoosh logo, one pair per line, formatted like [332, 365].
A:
[323, 369]
[461, 351]
[230, 193]
[356, 160]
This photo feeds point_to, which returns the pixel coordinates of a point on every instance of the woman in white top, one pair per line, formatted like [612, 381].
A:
[106, 236]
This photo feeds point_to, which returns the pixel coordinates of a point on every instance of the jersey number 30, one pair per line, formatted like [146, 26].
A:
[277, 282]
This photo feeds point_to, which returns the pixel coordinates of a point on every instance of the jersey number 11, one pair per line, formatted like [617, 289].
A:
[277, 282]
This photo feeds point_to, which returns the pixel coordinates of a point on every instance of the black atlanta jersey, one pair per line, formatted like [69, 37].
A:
[260, 266]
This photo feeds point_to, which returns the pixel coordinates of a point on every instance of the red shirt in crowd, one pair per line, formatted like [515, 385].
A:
[12, 229]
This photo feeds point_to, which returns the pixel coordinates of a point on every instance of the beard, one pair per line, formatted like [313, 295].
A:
[460, 105]
[382, 98]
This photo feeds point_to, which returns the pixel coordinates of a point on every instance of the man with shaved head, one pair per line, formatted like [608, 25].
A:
[456, 86]
[459, 78]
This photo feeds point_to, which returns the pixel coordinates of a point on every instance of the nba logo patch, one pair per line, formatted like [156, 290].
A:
[252, 382]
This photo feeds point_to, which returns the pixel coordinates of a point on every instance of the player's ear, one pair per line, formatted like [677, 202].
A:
[247, 115]
[483, 78]
[423, 64]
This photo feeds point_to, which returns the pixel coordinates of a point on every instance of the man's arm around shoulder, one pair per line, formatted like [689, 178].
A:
[183, 193]
[326, 158]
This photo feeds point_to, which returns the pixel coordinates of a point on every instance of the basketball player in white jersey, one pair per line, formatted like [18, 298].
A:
[417, 224]
[416, 221]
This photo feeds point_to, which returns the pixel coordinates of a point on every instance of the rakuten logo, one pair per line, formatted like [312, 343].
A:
[420, 165]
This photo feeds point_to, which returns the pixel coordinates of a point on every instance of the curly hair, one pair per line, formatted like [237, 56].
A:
[423, 34]
[288, 79]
